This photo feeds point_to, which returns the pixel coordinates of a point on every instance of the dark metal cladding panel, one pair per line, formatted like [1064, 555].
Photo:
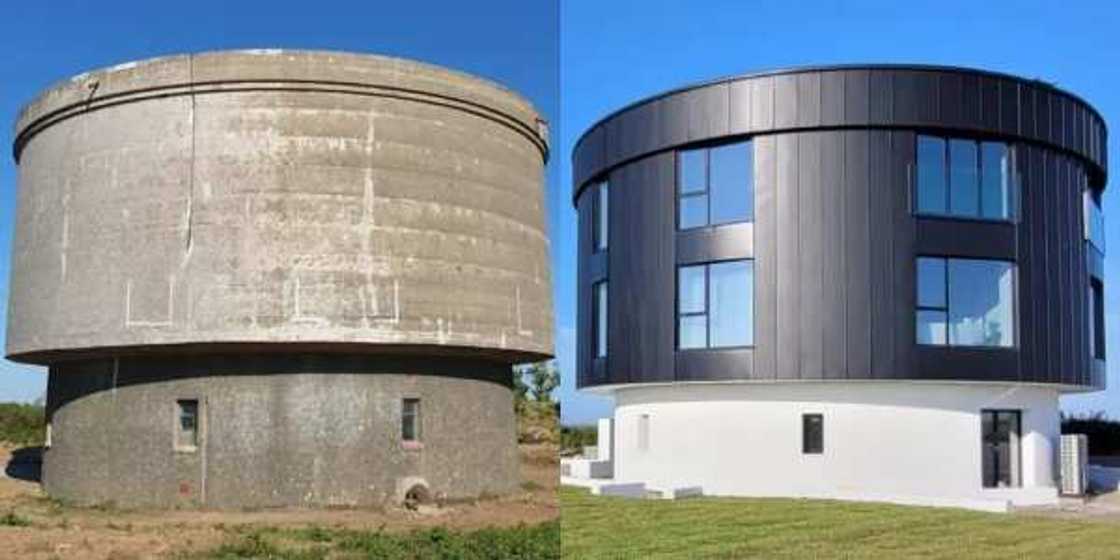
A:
[857, 100]
[788, 261]
[1008, 107]
[785, 101]
[926, 88]
[951, 93]
[739, 107]
[832, 98]
[882, 236]
[1069, 123]
[1025, 308]
[989, 103]
[957, 363]
[882, 97]
[810, 222]
[906, 93]
[715, 365]
[762, 104]
[1060, 271]
[857, 242]
[1041, 114]
[1077, 127]
[614, 140]
[766, 256]
[707, 112]
[590, 157]
[641, 126]
[1035, 189]
[969, 239]
[1053, 265]
[642, 271]
[808, 100]
[1079, 282]
[726, 242]
[583, 292]
[674, 120]
[970, 101]
[834, 350]
[903, 146]
[1028, 111]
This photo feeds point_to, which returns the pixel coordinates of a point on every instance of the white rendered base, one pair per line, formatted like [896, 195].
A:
[903, 442]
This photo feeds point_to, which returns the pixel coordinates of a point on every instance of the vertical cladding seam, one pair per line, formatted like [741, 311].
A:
[190, 182]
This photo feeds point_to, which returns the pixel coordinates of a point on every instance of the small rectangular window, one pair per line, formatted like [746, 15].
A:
[602, 211]
[965, 302]
[1000, 447]
[812, 434]
[410, 420]
[715, 305]
[186, 433]
[643, 432]
[1094, 219]
[1096, 318]
[599, 317]
[715, 185]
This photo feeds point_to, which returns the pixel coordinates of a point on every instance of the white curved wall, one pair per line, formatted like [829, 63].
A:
[902, 442]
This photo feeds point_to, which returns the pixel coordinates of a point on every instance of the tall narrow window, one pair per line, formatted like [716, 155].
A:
[812, 434]
[599, 318]
[1096, 318]
[410, 420]
[715, 305]
[965, 178]
[602, 211]
[1094, 219]
[715, 185]
[1000, 460]
[186, 425]
[965, 302]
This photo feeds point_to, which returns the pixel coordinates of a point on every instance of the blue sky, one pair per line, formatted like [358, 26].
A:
[511, 41]
[613, 53]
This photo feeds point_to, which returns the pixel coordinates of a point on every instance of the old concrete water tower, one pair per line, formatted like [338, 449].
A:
[264, 278]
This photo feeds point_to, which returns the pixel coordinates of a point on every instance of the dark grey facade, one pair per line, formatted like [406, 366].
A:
[835, 236]
[277, 278]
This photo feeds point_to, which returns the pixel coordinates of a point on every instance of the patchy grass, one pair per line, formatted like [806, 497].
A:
[619, 528]
[317, 543]
[13, 519]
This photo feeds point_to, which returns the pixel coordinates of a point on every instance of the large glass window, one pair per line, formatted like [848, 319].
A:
[966, 178]
[1094, 220]
[1000, 448]
[1096, 319]
[715, 305]
[715, 185]
[599, 316]
[601, 208]
[965, 302]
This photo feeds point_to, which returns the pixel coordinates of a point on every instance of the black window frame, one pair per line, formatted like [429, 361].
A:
[1097, 342]
[1017, 458]
[708, 306]
[812, 440]
[679, 195]
[1091, 199]
[1016, 180]
[947, 344]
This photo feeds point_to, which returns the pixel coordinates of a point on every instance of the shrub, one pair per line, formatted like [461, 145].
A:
[22, 424]
[574, 438]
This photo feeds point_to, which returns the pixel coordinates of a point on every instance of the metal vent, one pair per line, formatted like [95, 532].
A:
[1075, 461]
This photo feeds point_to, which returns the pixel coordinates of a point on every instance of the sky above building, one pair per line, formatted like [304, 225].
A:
[614, 53]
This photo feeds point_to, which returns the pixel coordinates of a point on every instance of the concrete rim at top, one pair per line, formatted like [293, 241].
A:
[278, 70]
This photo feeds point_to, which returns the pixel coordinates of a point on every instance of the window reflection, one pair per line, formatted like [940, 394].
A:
[715, 185]
[965, 302]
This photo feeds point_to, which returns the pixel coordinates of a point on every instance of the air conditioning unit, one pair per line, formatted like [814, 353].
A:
[1075, 464]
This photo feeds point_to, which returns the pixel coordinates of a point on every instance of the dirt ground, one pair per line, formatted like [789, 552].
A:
[54, 531]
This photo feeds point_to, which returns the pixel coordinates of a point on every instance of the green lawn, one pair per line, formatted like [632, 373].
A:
[605, 527]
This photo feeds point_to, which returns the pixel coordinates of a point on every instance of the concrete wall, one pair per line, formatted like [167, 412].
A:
[275, 196]
[904, 442]
[277, 430]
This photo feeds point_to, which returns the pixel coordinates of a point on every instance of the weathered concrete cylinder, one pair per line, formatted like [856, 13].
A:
[297, 241]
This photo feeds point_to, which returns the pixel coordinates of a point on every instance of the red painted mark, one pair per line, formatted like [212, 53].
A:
[184, 488]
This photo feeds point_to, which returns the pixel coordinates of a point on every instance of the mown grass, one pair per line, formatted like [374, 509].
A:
[318, 543]
[596, 527]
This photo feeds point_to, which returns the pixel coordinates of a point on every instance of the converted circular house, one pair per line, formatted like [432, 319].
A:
[265, 278]
[865, 282]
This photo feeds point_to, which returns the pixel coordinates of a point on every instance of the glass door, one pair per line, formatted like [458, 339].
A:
[1000, 448]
